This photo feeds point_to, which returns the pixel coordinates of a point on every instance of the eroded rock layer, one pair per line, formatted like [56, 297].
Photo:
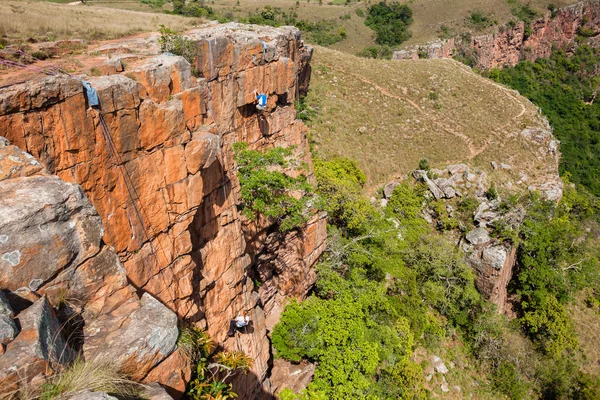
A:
[519, 41]
[162, 178]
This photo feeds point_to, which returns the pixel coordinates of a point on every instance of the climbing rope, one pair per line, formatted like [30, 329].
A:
[131, 191]
[139, 211]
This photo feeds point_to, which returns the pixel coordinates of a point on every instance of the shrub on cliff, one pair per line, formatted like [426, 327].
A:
[171, 42]
[390, 22]
[212, 373]
[269, 192]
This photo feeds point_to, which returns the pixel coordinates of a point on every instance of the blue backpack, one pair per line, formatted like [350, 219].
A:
[262, 100]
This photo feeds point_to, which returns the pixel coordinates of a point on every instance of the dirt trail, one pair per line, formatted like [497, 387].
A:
[509, 92]
[473, 151]
[468, 141]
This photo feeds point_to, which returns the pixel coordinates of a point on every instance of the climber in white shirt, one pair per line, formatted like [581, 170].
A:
[238, 323]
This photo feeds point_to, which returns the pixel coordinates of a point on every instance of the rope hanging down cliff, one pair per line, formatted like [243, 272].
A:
[93, 102]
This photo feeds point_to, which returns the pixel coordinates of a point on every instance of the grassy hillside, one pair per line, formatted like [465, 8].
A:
[37, 18]
[43, 20]
[388, 115]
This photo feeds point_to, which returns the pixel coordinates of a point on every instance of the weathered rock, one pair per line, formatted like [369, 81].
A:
[87, 395]
[43, 218]
[494, 256]
[174, 373]
[5, 308]
[457, 169]
[388, 189]
[485, 214]
[433, 188]
[147, 334]
[38, 348]
[294, 376]
[439, 365]
[431, 50]
[179, 237]
[8, 328]
[153, 391]
[478, 236]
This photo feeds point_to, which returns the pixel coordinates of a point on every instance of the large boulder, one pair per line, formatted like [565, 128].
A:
[42, 219]
[37, 350]
[294, 376]
[8, 328]
[143, 332]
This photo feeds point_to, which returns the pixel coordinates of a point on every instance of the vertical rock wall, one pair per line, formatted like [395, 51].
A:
[167, 198]
[511, 45]
[514, 43]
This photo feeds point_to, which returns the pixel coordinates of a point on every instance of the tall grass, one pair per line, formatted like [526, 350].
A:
[50, 21]
[98, 375]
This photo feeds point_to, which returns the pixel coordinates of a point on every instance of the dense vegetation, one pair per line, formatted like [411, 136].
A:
[389, 284]
[212, 372]
[565, 89]
[390, 22]
[267, 190]
[324, 33]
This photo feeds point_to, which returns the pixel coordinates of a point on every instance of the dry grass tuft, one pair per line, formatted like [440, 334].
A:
[99, 375]
[50, 21]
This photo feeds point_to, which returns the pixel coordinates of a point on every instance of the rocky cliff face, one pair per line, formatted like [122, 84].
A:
[511, 45]
[165, 191]
[518, 42]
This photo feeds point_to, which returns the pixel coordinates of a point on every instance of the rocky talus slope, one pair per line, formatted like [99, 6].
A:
[519, 41]
[160, 242]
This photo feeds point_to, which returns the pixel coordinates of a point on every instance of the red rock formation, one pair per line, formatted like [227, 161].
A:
[168, 202]
[518, 42]
[511, 45]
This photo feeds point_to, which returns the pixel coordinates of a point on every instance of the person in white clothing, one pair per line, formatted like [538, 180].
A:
[238, 323]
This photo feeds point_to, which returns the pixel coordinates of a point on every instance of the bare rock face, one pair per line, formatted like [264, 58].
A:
[145, 335]
[37, 349]
[293, 376]
[431, 50]
[53, 256]
[512, 44]
[515, 44]
[162, 179]
[8, 328]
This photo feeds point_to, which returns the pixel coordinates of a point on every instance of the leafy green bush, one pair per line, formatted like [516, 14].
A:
[382, 52]
[339, 184]
[171, 42]
[390, 22]
[154, 3]
[480, 20]
[522, 11]
[354, 336]
[323, 32]
[267, 191]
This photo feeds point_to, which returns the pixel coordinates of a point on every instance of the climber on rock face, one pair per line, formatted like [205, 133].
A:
[261, 99]
[238, 323]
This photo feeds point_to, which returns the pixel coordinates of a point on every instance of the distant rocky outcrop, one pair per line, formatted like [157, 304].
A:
[519, 41]
[174, 247]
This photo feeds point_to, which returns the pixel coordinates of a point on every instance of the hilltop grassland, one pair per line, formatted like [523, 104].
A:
[388, 115]
[107, 19]
[42, 20]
